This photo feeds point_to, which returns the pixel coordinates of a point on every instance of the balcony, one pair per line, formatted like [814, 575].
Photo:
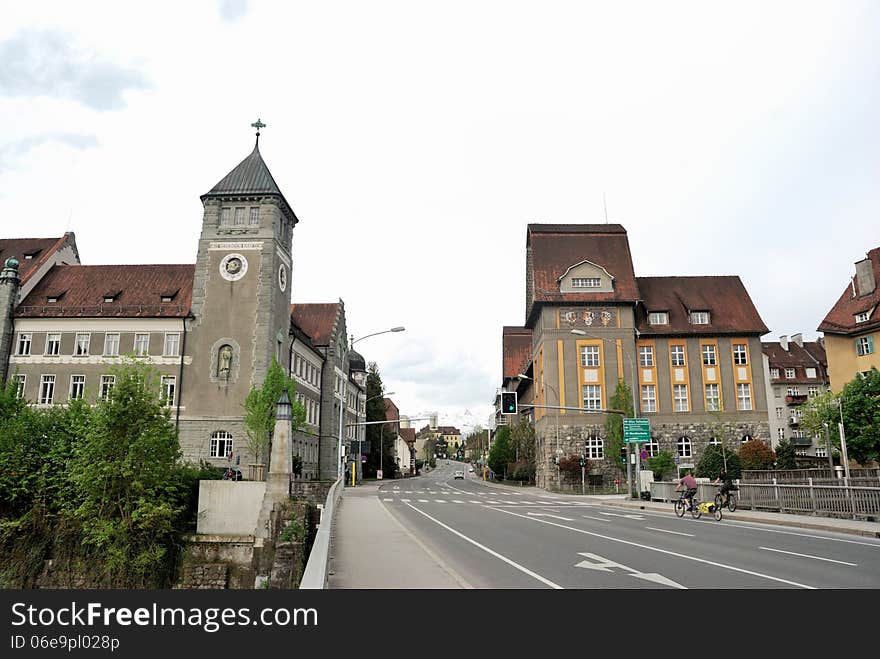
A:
[796, 398]
[794, 421]
[801, 441]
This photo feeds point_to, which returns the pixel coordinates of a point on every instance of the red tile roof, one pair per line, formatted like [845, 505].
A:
[516, 350]
[799, 358]
[408, 434]
[80, 290]
[40, 249]
[730, 308]
[841, 319]
[392, 413]
[556, 247]
[316, 319]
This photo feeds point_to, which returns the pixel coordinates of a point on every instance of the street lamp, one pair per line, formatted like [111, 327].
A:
[523, 376]
[339, 457]
[635, 384]
[381, 435]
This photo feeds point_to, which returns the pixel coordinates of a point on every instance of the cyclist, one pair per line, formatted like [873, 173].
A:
[726, 485]
[691, 488]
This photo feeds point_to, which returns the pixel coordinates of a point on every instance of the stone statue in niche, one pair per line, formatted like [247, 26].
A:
[224, 361]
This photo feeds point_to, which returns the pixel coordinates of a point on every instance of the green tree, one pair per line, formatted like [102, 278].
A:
[500, 455]
[260, 406]
[757, 454]
[786, 458]
[662, 464]
[522, 443]
[380, 436]
[621, 400]
[713, 460]
[860, 403]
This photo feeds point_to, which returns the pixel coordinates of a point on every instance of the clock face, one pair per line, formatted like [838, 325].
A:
[233, 267]
[282, 277]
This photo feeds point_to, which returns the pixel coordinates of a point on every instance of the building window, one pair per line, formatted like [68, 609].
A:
[865, 345]
[590, 356]
[107, 382]
[699, 317]
[81, 346]
[709, 356]
[680, 394]
[225, 217]
[19, 381]
[585, 282]
[792, 391]
[111, 345]
[141, 344]
[821, 452]
[221, 444]
[789, 374]
[53, 344]
[811, 373]
[172, 344]
[779, 412]
[646, 356]
[780, 432]
[862, 317]
[255, 216]
[744, 396]
[812, 391]
[24, 344]
[594, 448]
[168, 385]
[77, 386]
[714, 441]
[713, 399]
[658, 318]
[592, 396]
[47, 389]
[676, 354]
[684, 447]
[239, 217]
[774, 373]
[652, 447]
[740, 354]
[649, 398]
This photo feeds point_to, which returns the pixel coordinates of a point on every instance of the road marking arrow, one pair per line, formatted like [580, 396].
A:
[619, 515]
[596, 562]
[658, 578]
[567, 519]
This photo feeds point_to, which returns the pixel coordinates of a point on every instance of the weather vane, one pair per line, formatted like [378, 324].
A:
[258, 125]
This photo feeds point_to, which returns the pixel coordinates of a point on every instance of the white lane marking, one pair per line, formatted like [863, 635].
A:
[387, 499]
[818, 558]
[567, 519]
[598, 519]
[405, 500]
[596, 562]
[489, 551]
[690, 535]
[639, 517]
[423, 501]
[439, 500]
[511, 502]
[657, 549]
[477, 502]
[457, 501]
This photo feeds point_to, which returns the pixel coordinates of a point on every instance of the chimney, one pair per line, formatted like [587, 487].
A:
[798, 338]
[783, 341]
[821, 342]
[865, 277]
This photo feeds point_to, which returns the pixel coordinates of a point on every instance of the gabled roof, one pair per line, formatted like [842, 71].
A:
[316, 319]
[842, 317]
[408, 434]
[80, 289]
[39, 249]
[250, 177]
[554, 248]
[516, 350]
[796, 357]
[730, 308]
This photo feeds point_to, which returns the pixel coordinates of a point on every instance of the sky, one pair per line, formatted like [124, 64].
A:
[416, 141]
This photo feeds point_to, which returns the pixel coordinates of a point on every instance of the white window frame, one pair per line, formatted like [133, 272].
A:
[658, 318]
[821, 452]
[790, 374]
[716, 397]
[80, 347]
[174, 339]
[677, 352]
[591, 396]
[646, 356]
[590, 356]
[221, 438]
[678, 399]
[740, 354]
[811, 373]
[862, 317]
[594, 448]
[863, 346]
[684, 447]
[107, 336]
[812, 391]
[779, 412]
[699, 318]
[107, 384]
[168, 385]
[649, 398]
[78, 387]
[56, 344]
[774, 373]
[743, 396]
[710, 355]
[47, 389]
[652, 447]
[136, 351]
[586, 282]
[20, 380]
[780, 432]
[24, 341]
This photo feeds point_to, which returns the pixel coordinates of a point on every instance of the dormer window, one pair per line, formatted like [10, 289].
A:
[863, 317]
[586, 282]
[111, 296]
[54, 297]
[28, 256]
[699, 317]
[169, 296]
[658, 318]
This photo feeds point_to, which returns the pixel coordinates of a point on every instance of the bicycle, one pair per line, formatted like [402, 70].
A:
[698, 507]
[730, 503]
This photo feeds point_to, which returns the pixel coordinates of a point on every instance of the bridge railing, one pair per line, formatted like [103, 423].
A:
[317, 567]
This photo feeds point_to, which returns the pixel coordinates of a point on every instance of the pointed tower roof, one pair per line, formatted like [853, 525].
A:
[250, 177]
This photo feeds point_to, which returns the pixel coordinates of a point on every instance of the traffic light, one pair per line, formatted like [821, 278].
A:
[508, 402]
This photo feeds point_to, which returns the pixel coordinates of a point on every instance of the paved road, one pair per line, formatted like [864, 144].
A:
[500, 538]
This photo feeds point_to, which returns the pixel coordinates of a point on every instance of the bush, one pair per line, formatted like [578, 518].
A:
[712, 463]
[757, 454]
[523, 470]
[662, 464]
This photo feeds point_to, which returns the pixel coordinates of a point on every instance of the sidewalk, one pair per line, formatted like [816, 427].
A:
[369, 548]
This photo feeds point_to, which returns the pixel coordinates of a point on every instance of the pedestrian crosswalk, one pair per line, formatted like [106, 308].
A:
[482, 498]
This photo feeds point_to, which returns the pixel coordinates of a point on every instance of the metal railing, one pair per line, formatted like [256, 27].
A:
[316, 573]
[839, 500]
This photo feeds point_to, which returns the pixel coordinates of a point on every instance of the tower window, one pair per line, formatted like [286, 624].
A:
[255, 216]
[239, 217]
[225, 217]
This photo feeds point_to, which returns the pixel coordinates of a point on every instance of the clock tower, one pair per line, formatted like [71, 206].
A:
[240, 307]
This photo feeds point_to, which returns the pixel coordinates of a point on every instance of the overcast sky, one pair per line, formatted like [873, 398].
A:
[417, 140]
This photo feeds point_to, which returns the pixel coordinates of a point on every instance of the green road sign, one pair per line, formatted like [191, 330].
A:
[636, 430]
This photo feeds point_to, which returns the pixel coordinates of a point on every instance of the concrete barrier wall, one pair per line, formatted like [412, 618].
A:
[229, 507]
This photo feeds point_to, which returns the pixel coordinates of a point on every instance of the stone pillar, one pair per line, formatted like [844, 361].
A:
[280, 467]
[9, 284]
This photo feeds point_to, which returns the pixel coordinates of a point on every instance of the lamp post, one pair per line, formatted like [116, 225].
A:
[361, 439]
[635, 385]
[339, 456]
[558, 450]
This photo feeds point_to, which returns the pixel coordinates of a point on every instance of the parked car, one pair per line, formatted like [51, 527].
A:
[458, 474]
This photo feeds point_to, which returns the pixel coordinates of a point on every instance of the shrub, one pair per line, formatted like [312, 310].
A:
[757, 454]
